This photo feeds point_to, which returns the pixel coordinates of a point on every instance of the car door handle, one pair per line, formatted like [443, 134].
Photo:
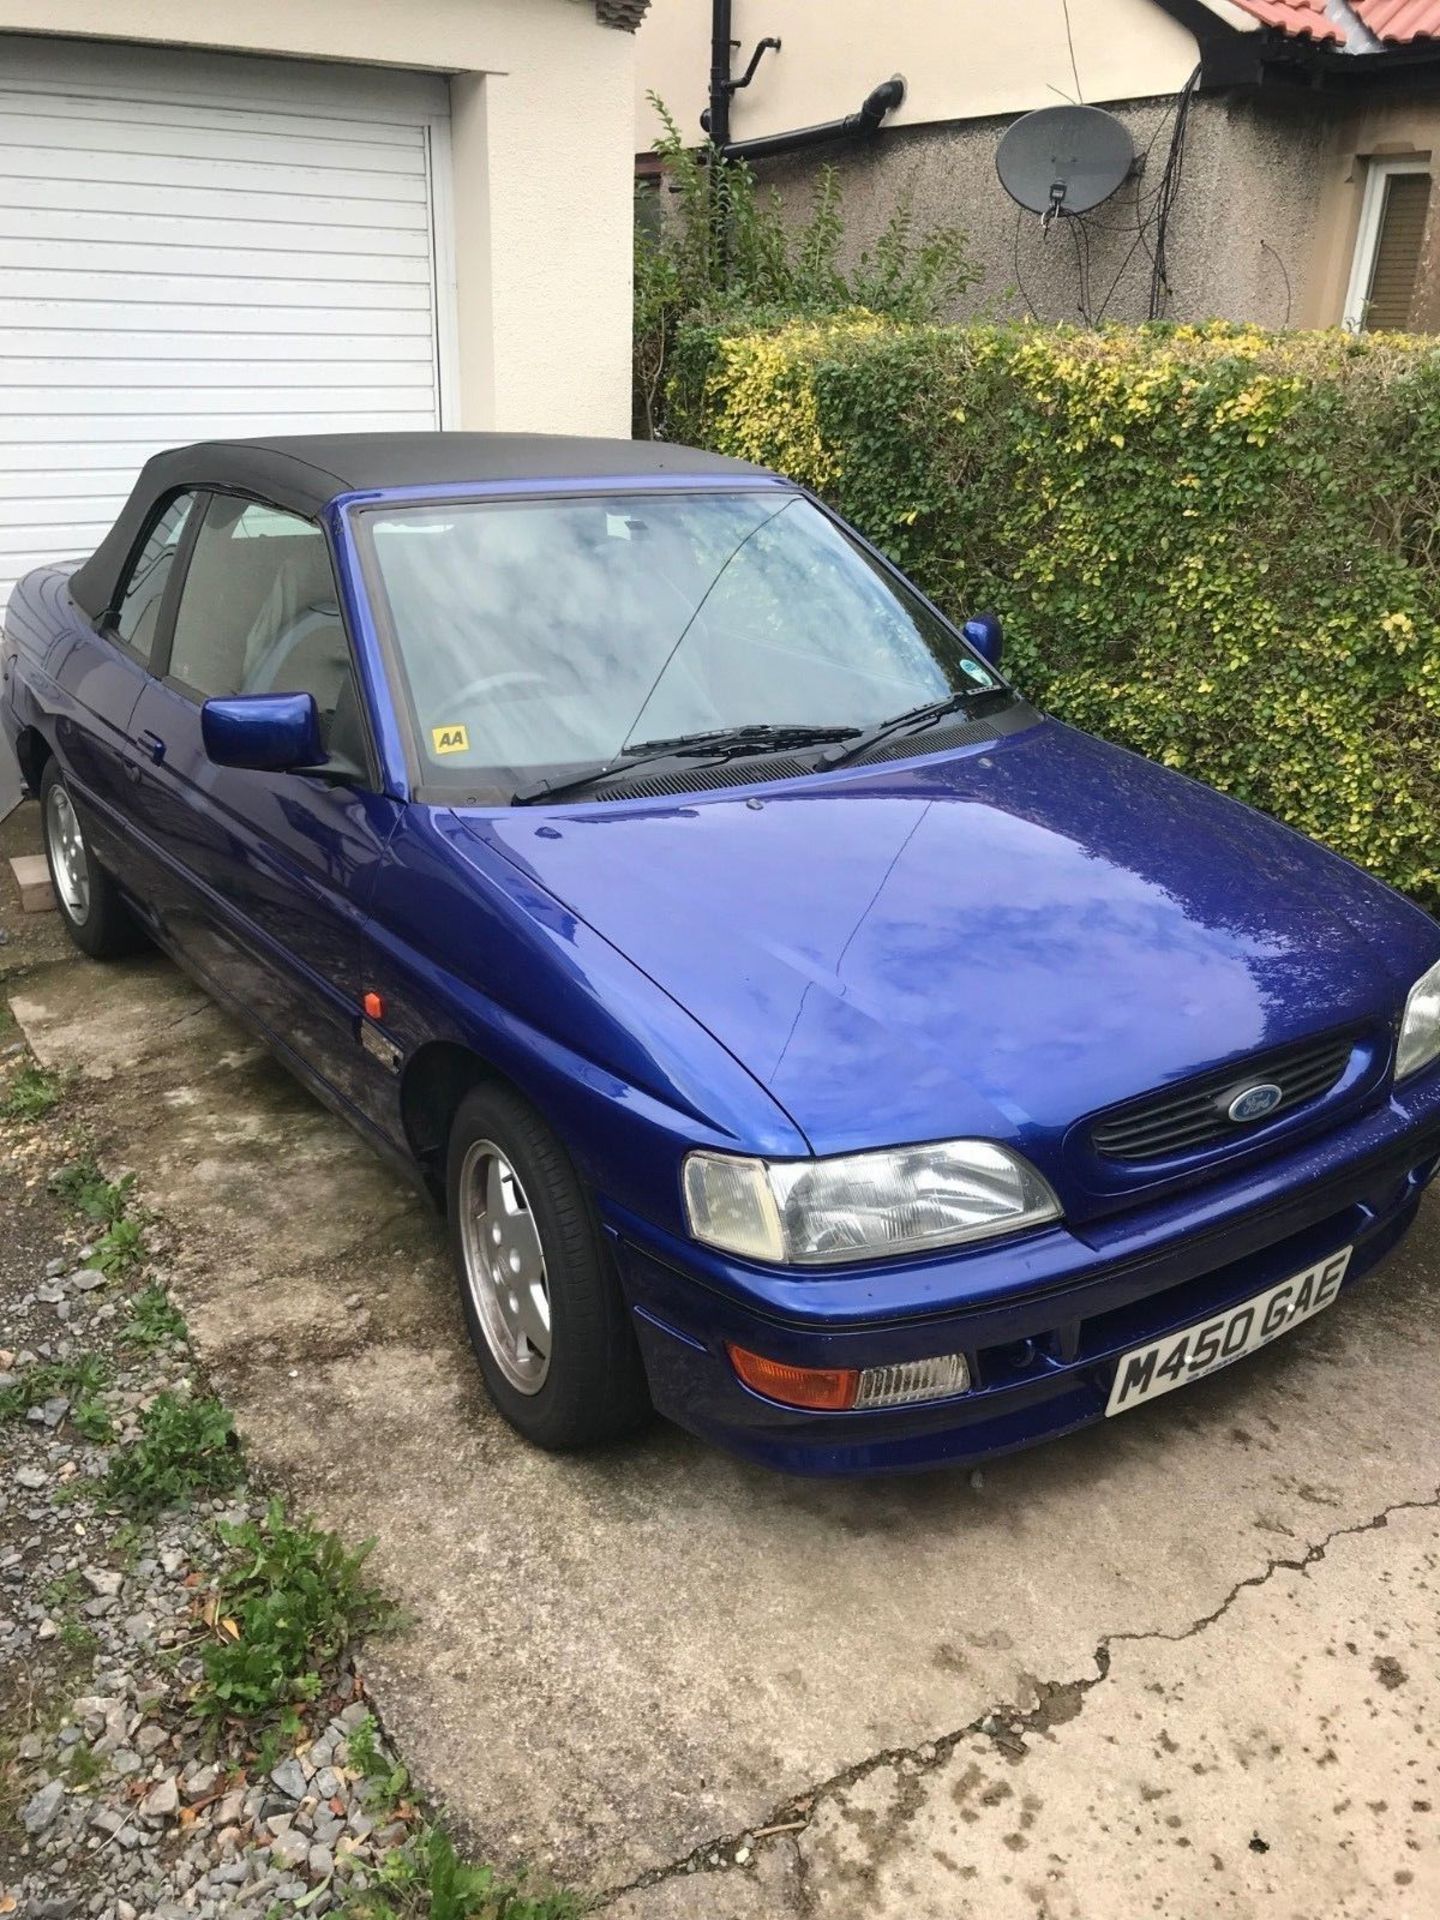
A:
[153, 745]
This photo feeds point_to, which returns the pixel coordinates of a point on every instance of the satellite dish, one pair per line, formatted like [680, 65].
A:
[1064, 159]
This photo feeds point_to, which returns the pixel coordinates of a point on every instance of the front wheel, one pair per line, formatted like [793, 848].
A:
[541, 1298]
[96, 918]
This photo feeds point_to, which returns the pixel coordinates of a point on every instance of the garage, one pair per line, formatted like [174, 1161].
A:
[200, 245]
[299, 215]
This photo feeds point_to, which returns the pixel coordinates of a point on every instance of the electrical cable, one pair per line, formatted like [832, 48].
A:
[1265, 247]
[1019, 280]
[1165, 198]
[1070, 42]
[1149, 215]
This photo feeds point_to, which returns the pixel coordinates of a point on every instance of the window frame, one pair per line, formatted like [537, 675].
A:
[1380, 170]
[159, 665]
[105, 622]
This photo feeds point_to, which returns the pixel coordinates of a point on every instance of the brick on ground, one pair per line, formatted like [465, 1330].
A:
[32, 878]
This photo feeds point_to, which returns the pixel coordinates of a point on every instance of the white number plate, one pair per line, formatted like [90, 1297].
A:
[1147, 1372]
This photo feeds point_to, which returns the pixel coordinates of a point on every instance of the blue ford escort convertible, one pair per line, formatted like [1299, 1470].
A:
[804, 1035]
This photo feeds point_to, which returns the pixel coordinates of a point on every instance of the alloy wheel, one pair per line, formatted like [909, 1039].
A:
[505, 1266]
[68, 859]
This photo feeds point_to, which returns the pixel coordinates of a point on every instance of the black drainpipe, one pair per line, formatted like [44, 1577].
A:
[878, 102]
[717, 121]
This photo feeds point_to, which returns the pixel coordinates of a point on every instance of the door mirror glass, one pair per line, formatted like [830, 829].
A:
[266, 732]
[986, 635]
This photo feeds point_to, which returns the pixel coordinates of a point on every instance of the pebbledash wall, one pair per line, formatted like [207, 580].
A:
[1268, 204]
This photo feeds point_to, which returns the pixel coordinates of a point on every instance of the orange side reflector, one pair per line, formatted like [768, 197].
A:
[829, 1389]
[374, 1006]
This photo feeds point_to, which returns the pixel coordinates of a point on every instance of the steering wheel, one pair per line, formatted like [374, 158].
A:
[488, 682]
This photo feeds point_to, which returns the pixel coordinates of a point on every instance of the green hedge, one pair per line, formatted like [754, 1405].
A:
[1214, 545]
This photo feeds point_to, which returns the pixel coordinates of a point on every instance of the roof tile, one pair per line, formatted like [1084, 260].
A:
[1398, 22]
[1303, 18]
[1395, 22]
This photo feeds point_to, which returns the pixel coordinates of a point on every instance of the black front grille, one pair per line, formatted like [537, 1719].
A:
[1196, 1114]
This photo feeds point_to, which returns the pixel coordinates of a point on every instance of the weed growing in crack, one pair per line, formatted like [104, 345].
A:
[75, 1380]
[384, 1783]
[83, 1186]
[32, 1094]
[63, 1597]
[83, 1768]
[291, 1601]
[91, 1420]
[154, 1321]
[120, 1248]
[427, 1877]
[185, 1448]
[78, 1639]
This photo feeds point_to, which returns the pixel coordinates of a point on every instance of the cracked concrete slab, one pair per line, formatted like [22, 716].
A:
[616, 1660]
[1279, 1759]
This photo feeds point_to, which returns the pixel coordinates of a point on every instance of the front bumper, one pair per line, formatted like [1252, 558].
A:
[1041, 1320]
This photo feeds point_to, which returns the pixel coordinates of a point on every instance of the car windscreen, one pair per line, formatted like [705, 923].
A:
[541, 635]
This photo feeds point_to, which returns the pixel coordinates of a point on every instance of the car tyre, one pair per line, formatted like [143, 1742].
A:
[95, 916]
[541, 1298]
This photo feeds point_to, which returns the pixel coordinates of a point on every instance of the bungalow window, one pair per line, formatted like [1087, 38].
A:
[1386, 267]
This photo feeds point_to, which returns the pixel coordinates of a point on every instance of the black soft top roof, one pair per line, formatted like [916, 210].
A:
[304, 472]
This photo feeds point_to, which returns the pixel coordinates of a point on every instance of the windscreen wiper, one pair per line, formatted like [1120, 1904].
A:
[719, 744]
[736, 739]
[916, 720]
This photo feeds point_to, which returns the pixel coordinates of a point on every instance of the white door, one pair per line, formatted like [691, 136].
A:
[195, 247]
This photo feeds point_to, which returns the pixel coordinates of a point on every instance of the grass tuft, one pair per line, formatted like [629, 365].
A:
[384, 1781]
[85, 1188]
[77, 1380]
[154, 1321]
[91, 1420]
[32, 1094]
[428, 1878]
[291, 1602]
[120, 1248]
[186, 1448]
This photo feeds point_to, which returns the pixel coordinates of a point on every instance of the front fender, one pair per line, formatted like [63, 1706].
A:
[464, 948]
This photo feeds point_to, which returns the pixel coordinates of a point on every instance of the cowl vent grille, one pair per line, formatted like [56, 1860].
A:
[942, 738]
[730, 773]
[952, 733]
[1186, 1118]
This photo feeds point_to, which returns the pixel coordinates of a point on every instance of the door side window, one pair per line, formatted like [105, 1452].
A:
[138, 614]
[259, 613]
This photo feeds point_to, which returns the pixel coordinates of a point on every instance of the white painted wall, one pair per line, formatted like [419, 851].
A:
[961, 58]
[542, 108]
[532, 253]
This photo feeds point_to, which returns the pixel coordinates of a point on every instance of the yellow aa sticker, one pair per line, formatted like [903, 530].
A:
[450, 739]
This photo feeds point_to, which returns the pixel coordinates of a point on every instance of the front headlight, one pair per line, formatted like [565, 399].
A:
[1420, 1029]
[857, 1205]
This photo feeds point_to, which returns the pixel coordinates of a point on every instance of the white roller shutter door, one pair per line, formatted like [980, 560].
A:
[193, 247]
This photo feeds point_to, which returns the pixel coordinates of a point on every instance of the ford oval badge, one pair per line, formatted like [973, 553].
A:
[1255, 1102]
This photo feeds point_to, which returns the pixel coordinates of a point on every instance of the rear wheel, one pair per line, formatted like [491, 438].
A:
[95, 916]
[541, 1298]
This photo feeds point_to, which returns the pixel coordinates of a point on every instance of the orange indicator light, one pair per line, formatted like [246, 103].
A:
[828, 1389]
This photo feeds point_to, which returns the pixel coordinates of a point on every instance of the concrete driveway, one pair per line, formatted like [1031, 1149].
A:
[1184, 1664]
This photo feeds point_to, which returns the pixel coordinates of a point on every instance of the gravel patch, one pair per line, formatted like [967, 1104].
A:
[118, 1801]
